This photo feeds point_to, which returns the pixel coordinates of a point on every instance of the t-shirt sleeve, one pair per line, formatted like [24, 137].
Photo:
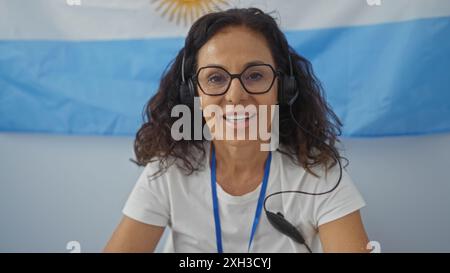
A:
[344, 200]
[149, 200]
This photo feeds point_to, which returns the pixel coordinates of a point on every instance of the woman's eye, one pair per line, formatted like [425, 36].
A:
[216, 79]
[254, 76]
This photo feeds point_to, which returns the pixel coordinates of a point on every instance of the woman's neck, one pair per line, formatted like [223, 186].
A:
[240, 169]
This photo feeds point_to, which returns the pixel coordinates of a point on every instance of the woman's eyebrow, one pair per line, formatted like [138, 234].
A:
[254, 62]
[245, 65]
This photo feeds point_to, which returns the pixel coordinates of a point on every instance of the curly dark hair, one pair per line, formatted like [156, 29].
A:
[309, 145]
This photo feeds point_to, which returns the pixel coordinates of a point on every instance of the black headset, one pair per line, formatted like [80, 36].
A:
[288, 94]
[187, 88]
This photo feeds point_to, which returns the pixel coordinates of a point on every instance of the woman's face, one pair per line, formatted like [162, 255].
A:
[233, 49]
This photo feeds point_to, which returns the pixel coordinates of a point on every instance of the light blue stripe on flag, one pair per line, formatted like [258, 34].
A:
[80, 87]
[386, 79]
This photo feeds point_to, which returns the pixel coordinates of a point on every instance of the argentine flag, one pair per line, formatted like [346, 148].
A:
[89, 66]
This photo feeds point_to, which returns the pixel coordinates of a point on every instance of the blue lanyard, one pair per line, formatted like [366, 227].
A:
[262, 193]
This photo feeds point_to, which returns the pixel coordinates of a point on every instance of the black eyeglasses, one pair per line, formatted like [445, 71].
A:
[256, 79]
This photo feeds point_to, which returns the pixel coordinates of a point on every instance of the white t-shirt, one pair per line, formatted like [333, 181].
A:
[184, 203]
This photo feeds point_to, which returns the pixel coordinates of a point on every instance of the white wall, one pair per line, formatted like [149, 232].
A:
[55, 189]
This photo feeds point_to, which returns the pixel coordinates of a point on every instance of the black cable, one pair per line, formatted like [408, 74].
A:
[277, 219]
[307, 247]
[335, 157]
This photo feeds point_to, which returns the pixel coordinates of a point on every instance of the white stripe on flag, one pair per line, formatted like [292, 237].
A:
[130, 19]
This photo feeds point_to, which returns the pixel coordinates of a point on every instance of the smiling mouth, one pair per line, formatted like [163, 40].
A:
[238, 117]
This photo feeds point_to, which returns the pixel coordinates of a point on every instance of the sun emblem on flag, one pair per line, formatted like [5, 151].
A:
[187, 11]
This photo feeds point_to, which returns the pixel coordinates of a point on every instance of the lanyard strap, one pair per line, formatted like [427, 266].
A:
[262, 193]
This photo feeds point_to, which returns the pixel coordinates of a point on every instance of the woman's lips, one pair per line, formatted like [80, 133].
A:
[238, 120]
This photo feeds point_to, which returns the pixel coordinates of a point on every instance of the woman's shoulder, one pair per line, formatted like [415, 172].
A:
[333, 193]
[318, 176]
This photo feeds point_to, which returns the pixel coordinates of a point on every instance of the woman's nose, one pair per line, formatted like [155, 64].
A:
[236, 92]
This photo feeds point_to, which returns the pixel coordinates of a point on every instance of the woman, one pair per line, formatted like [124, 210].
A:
[210, 193]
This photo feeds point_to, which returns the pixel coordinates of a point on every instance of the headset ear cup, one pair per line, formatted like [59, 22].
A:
[191, 90]
[187, 92]
[289, 92]
[183, 92]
